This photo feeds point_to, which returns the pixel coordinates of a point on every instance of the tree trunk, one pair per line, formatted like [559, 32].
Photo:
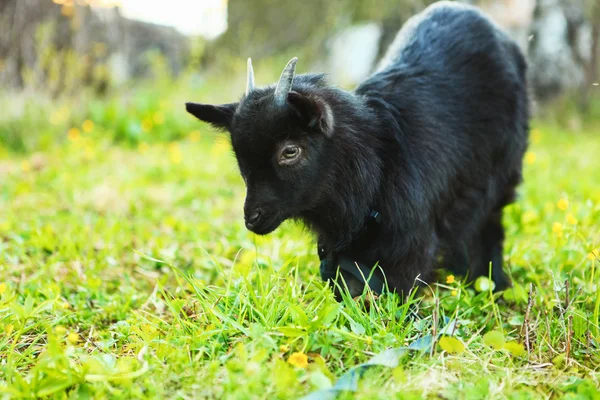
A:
[57, 50]
[593, 67]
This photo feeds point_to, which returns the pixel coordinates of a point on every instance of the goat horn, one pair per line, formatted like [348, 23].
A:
[250, 81]
[285, 81]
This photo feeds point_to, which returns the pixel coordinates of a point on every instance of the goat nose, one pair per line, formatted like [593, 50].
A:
[254, 217]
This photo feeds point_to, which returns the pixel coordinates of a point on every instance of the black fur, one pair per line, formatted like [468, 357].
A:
[433, 140]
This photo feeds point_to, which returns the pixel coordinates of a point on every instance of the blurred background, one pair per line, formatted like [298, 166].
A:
[121, 215]
[125, 67]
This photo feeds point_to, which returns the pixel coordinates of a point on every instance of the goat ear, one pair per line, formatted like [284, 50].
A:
[219, 116]
[313, 110]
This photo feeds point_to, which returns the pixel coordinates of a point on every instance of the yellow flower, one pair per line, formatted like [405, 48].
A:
[73, 134]
[143, 147]
[2, 287]
[175, 153]
[88, 152]
[530, 157]
[87, 126]
[563, 204]
[55, 118]
[571, 219]
[147, 125]
[557, 228]
[26, 166]
[536, 136]
[148, 329]
[60, 330]
[59, 116]
[594, 255]
[283, 348]
[450, 279]
[299, 360]
[73, 337]
[194, 136]
[9, 329]
[454, 293]
[170, 221]
[528, 217]
[66, 305]
[221, 146]
[158, 118]
[369, 340]
[68, 10]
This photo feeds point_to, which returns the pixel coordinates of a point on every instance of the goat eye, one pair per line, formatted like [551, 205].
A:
[289, 154]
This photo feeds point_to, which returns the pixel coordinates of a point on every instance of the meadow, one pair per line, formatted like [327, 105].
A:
[126, 272]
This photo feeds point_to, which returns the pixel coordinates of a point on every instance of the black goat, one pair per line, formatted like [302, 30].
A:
[410, 171]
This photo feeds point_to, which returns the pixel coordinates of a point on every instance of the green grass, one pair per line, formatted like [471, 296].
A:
[126, 272]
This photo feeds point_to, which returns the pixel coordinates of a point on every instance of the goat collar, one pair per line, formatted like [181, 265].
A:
[341, 256]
